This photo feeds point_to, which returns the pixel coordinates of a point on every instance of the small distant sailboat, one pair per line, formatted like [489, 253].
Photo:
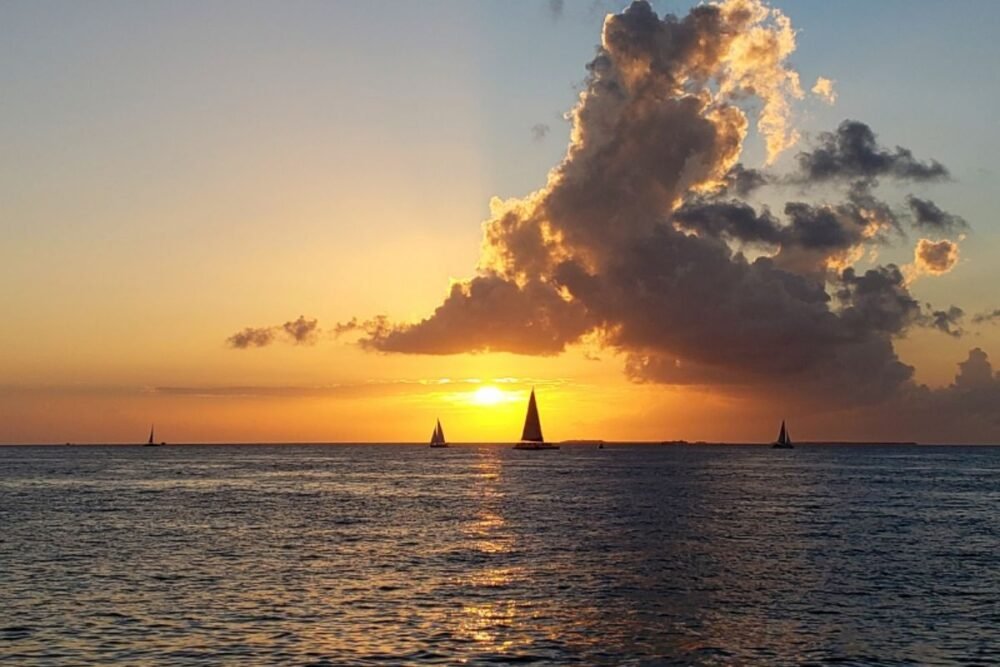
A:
[531, 436]
[784, 441]
[437, 438]
[151, 442]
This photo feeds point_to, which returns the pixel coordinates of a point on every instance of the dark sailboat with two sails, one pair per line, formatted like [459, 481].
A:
[784, 441]
[531, 436]
[437, 438]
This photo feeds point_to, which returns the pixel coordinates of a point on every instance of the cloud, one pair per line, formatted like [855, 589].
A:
[251, 337]
[989, 316]
[814, 239]
[742, 181]
[824, 90]
[976, 372]
[488, 313]
[852, 152]
[539, 131]
[733, 220]
[935, 258]
[301, 331]
[946, 321]
[964, 411]
[641, 238]
[928, 217]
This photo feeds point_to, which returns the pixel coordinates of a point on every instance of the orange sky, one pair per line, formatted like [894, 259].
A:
[185, 193]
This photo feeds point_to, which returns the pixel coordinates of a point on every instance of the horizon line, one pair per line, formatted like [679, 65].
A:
[568, 443]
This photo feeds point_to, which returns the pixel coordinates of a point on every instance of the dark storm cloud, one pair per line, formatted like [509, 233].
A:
[301, 331]
[852, 152]
[928, 217]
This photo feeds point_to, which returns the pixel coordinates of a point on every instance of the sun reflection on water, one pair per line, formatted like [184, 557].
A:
[491, 616]
[486, 622]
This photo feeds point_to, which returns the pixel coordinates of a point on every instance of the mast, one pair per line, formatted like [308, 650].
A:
[151, 427]
[532, 424]
[783, 435]
[440, 431]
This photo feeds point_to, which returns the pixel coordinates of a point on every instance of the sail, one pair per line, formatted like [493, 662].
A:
[151, 435]
[437, 438]
[783, 438]
[532, 425]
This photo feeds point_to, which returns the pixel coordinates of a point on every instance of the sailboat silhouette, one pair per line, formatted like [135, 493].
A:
[784, 440]
[531, 436]
[151, 442]
[437, 438]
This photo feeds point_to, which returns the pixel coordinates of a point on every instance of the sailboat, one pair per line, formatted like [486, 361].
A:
[437, 438]
[151, 442]
[784, 441]
[531, 436]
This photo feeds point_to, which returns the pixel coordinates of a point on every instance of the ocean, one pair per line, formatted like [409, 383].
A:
[393, 554]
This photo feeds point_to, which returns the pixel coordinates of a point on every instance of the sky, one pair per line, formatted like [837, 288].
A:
[180, 180]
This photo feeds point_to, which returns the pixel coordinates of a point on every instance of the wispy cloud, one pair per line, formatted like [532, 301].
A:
[413, 386]
[301, 331]
[989, 316]
[539, 131]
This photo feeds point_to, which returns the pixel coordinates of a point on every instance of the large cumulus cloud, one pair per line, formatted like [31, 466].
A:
[643, 237]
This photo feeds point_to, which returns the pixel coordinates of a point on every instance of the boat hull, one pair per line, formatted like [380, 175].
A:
[778, 445]
[438, 445]
[535, 445]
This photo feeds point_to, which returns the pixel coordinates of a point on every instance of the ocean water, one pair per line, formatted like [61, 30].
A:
[630, 555]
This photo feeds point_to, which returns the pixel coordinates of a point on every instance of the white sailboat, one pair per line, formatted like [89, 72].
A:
[531, 436]
[437, 438]
[784, 440]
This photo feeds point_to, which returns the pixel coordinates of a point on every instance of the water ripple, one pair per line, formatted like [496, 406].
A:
[400, 555]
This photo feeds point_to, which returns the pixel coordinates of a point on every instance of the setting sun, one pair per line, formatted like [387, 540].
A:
[488, 395]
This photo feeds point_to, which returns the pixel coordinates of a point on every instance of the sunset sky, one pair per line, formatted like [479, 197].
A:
[179, 180]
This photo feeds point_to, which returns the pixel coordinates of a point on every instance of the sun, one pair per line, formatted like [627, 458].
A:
[487, 395]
